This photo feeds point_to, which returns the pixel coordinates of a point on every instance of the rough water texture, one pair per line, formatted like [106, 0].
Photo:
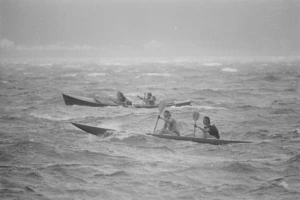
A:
[43, 156]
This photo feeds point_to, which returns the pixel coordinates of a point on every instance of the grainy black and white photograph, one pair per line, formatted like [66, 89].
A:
[149, 99]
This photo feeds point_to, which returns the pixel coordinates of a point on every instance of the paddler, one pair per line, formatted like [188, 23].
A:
[121, 99]
[149, 99]
[170, 126]
[209, 131]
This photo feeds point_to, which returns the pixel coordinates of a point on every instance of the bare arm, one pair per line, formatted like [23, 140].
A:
[166, 120]
[144, 99]
[204, 130]
[140, 97]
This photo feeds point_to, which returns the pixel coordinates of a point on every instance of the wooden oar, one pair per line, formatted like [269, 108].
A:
[142, 98]
[195, 117]
[161, 107]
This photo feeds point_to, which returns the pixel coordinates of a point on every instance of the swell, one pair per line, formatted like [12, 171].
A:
[25, 151]
[294, 159]
[278, 186]
[20, 192]
[144, 142]
[240, 167]
[20, 182]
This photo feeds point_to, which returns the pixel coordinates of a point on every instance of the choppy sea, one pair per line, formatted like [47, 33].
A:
[43, 156]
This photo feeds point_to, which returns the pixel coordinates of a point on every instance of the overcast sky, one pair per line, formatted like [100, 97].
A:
[266, 27]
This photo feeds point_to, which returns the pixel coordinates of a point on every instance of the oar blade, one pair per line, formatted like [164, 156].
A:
[161, 106]
[196, 116]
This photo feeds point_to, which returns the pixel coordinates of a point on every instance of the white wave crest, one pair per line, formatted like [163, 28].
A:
[228, 69]
[96, 74]
[155, 74]
[49, 117]
[209, 107]
[210, 64]
[70, 75]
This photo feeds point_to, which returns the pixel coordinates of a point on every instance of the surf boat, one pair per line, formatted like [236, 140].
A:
[98, 131]
[85, 101]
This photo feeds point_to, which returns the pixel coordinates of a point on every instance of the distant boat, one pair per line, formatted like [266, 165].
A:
[100, 131]
[85, 101]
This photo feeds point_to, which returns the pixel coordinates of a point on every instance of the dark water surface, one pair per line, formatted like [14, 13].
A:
[43, 156]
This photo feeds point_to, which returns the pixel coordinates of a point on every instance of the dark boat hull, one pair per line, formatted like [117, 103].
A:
[199, 140]
[92, 129]
[100, 131]
[84, 101]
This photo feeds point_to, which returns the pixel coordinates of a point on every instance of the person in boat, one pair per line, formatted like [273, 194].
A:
[149, 100]
[121, 99]
[170, 126]
[209, 130]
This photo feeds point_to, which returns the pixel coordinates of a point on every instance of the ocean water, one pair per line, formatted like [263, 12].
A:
[43, 156]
